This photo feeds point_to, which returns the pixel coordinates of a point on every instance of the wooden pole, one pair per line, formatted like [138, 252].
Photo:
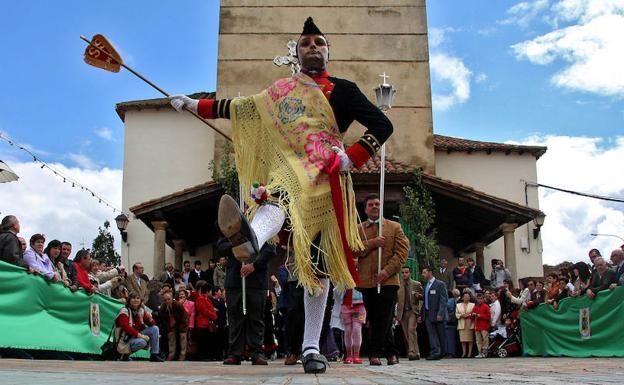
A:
[158, 89]
[241, 203]
[382, 182]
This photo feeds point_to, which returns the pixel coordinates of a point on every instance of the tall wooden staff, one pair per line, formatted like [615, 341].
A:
[101, 54]
[385, 96]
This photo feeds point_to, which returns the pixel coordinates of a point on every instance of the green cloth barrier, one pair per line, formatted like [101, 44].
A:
[37, 314]
[546, 331]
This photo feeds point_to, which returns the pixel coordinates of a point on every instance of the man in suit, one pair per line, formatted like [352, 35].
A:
[617, 257]
[135, 282]
[196, 275]
[167, 275]
[444, 274]
[435, 313]
[380, 306]
[602, 278]
[409, 304]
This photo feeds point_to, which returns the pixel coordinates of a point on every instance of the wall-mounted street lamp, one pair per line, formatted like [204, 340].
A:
[538, 221]
[607, 235]
[122, 224]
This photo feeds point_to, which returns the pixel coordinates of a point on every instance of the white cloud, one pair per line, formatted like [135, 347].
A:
[524, 13]
[480, 78]
[437, 36]
[591, 48]
[584, 164]
[105, 133]
[44, 204]
[452, 72]
[82, 160]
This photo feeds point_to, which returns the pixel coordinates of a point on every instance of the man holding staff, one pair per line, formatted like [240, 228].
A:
[380, 303]
[288, 144]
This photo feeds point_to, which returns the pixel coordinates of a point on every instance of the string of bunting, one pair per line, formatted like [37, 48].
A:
[66, 178]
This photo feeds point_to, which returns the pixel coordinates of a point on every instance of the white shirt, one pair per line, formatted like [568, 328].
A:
[495, 310]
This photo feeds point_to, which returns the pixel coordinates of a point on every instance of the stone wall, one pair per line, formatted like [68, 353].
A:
[367, 37]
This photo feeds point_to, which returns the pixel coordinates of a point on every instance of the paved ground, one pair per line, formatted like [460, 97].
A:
[491, 371]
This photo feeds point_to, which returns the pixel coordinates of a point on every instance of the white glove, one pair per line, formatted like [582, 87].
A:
[180, 101]
[345, 162]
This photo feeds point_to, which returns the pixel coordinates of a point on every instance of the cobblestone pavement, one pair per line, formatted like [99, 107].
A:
[491, 371]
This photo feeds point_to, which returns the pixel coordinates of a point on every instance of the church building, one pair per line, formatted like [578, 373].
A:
[483, 205]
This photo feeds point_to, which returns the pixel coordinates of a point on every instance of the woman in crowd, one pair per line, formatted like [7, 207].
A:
[104, 280]
[175, 321]
[451, 324]
[552, 290]
[38, 261]
[189, 306]
[580, 278]
[565, 288]
[353, 316]
[465, 325]
[525, 294]
[539, 296]
[53, 250]
[135, 329]
[205, 315]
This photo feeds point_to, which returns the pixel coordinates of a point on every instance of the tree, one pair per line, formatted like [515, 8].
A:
[226, 175]
[104, 247]
[417, 218]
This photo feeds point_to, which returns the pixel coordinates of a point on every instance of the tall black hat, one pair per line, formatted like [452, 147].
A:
[309, 28]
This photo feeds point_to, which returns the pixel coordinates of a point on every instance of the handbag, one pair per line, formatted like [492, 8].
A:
[109, 348]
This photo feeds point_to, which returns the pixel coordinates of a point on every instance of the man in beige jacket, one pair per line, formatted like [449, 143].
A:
[380, 307]
[409, 304]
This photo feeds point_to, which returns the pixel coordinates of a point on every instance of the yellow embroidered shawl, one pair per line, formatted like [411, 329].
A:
[283, 138]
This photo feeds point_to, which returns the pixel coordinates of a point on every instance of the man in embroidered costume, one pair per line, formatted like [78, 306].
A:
[289, 137]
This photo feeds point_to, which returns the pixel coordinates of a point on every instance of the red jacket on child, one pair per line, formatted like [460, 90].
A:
[482, 321]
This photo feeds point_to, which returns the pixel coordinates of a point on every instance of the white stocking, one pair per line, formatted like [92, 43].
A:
[267, 222]
[314, 307]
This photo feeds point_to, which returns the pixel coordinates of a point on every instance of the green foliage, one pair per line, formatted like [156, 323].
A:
[226, 175]
[103, 248]
[417, 218]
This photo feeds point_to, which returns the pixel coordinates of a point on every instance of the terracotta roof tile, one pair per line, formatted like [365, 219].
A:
[158, 103]
[176, 194]
[392, 167]
[449, 144]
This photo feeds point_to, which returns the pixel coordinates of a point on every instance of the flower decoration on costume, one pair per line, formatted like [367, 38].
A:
[319, 148]
[259, 192]
[281, 88]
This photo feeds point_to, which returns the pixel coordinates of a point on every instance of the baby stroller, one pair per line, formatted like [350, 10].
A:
[506, 341]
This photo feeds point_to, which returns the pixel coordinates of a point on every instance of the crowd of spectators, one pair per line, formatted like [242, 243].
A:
[197, 314]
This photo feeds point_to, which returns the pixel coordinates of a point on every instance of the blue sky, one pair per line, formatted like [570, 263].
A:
[544, 72]
[55, 102]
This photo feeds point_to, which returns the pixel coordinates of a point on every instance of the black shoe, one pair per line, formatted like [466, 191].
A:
[156, 358]
[414, 358]
[259, 360]
[432, 358]
[236, 229]
[314, 363]
[392, 360]
[232, 361]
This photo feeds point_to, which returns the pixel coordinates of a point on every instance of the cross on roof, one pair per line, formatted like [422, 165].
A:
[290, 59]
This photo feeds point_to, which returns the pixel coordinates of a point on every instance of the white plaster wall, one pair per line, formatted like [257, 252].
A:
[502, 176]
[164, 152]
